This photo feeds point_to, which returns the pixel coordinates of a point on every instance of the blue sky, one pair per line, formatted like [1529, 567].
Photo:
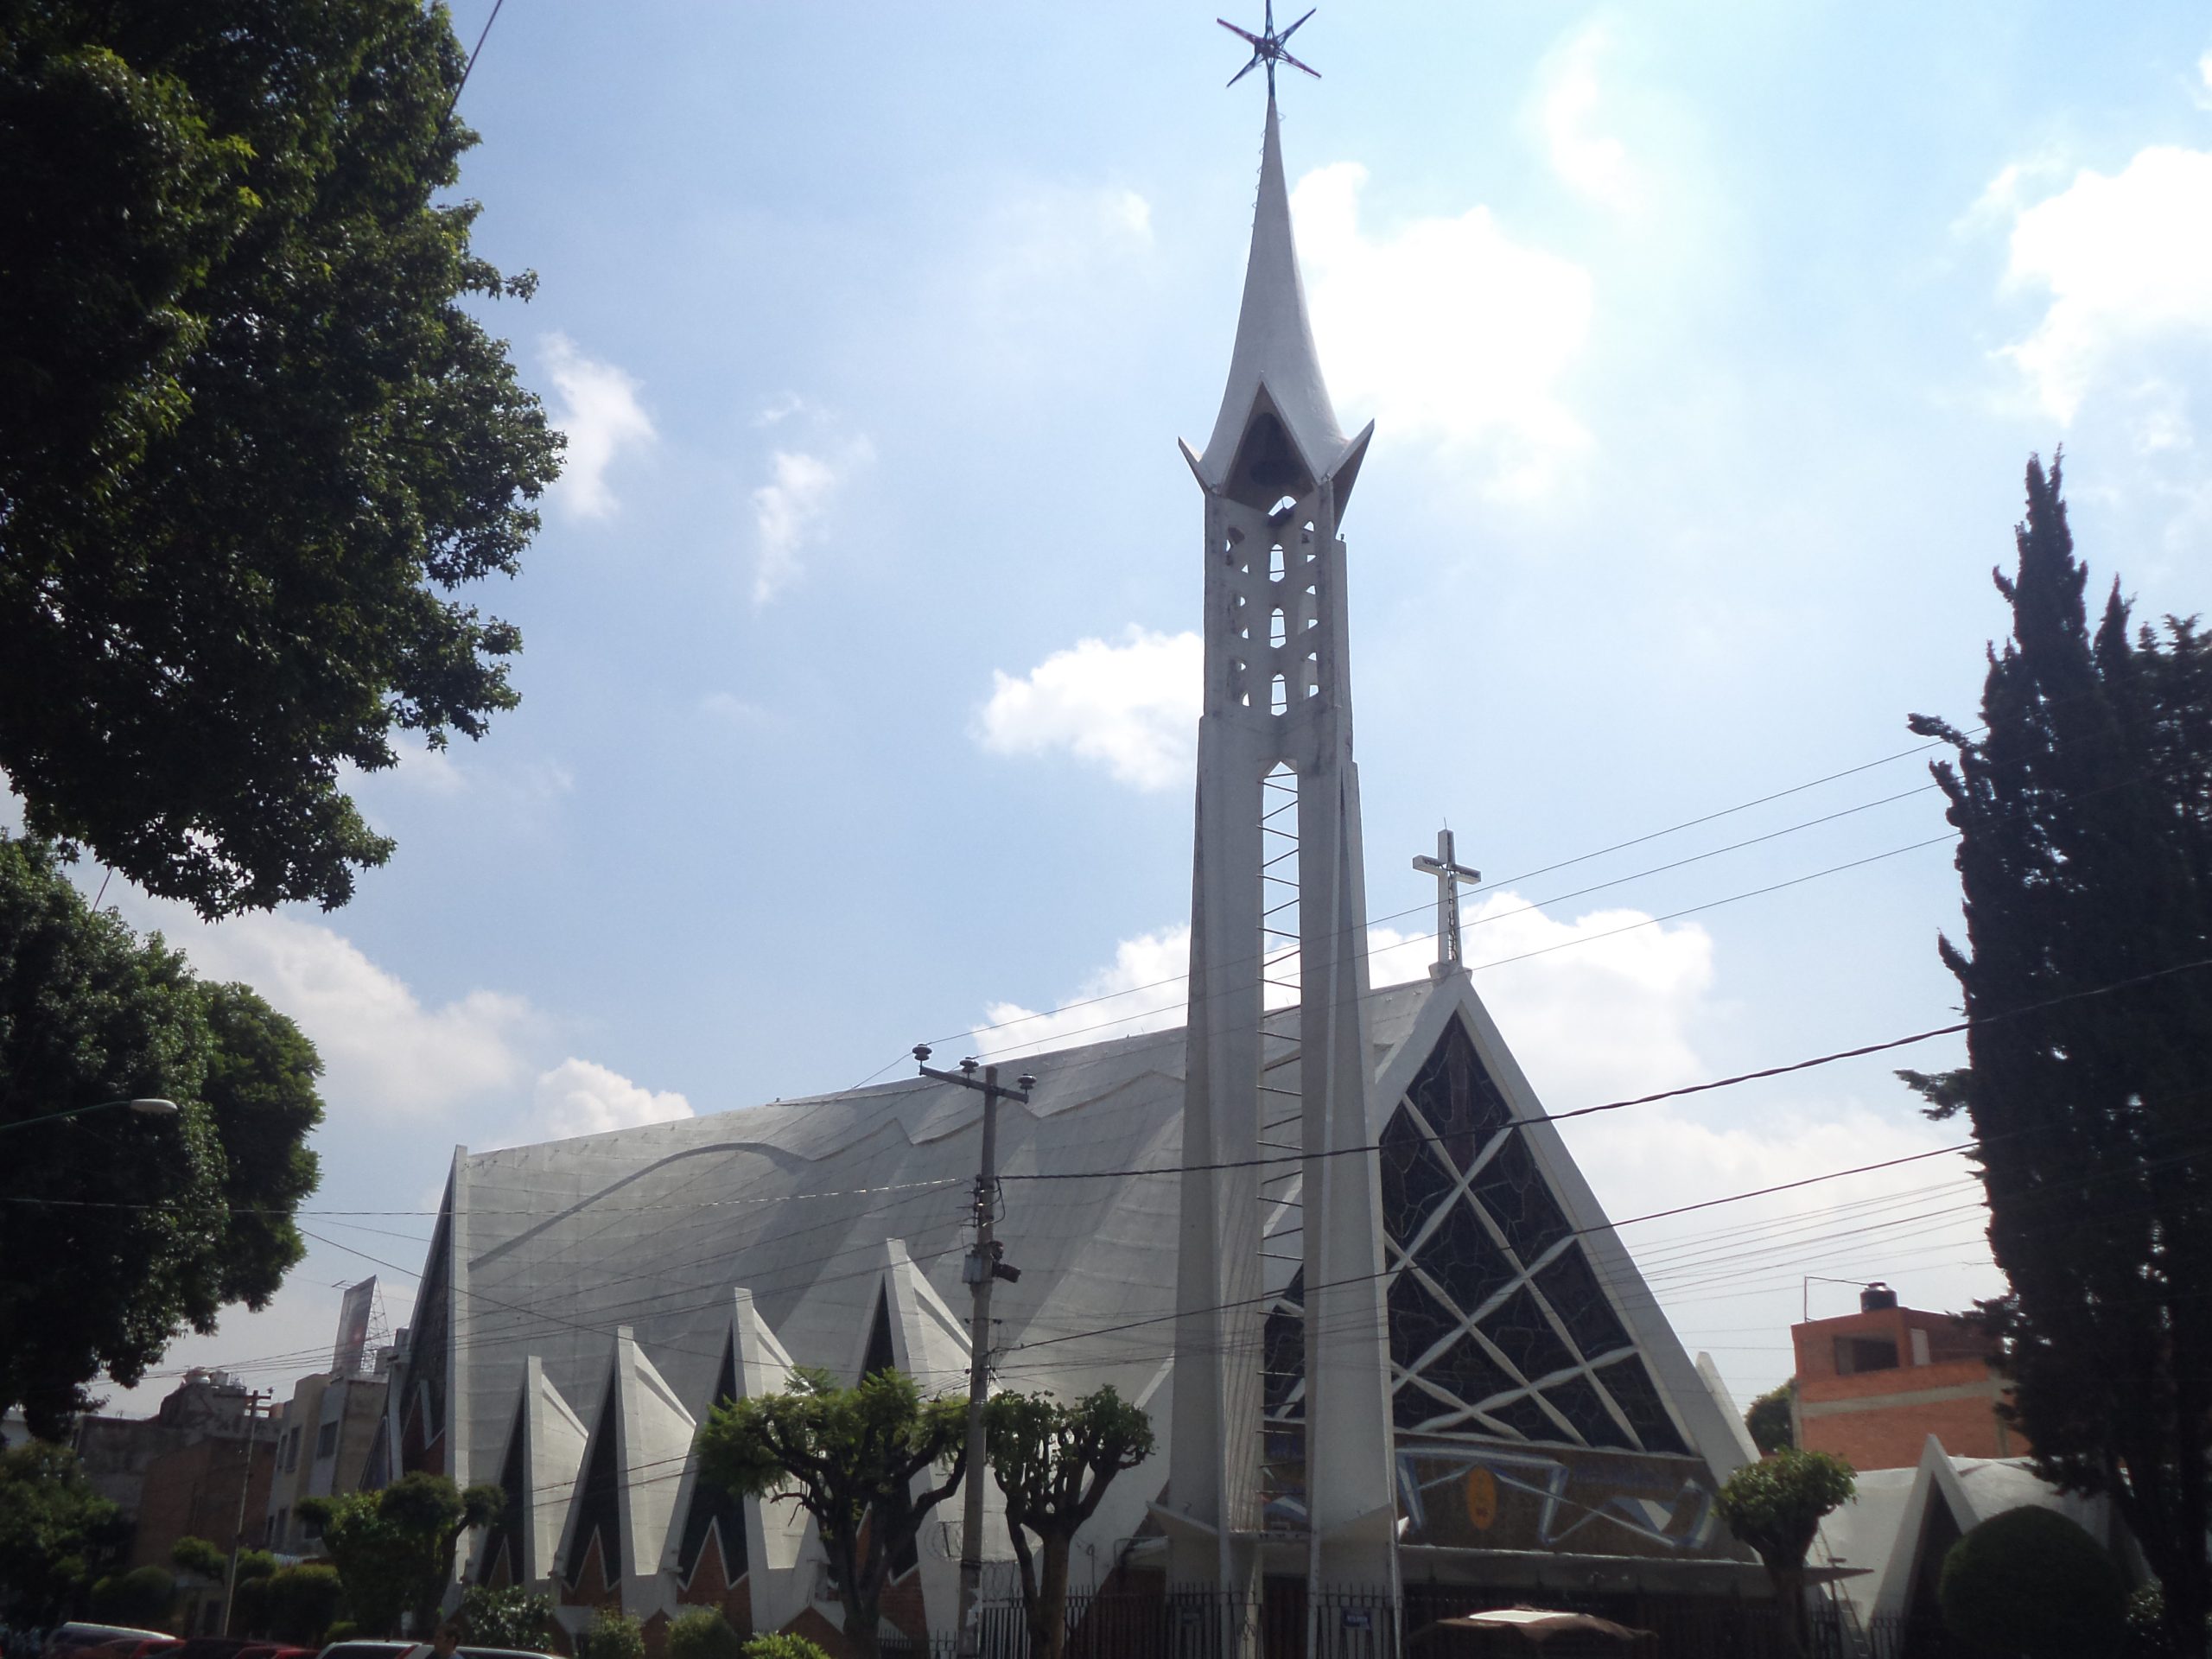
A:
[1706, 344]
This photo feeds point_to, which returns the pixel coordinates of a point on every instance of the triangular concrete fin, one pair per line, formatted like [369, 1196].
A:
[554, 1439]
[657, 1434]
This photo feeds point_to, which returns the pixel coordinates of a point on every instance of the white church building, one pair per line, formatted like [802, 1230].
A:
[1386, 1335]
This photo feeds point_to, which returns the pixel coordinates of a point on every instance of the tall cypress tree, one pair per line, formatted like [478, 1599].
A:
[2085, 862]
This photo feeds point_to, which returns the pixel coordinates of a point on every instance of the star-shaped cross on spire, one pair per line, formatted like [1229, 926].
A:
[1267, 48]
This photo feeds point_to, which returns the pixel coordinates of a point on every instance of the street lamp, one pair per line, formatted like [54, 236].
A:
[146, 1105]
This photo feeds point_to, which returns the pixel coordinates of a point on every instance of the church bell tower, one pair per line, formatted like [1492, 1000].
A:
[1276, 1118]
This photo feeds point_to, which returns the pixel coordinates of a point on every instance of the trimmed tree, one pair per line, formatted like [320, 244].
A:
[2031, 1582]
[612, 1634]
[703, 1633]
[512, 1617]
[121, 1231]
[2085, 862]
[849, 1458]
[140, 1600]
[1770, 1420]
[394, 1548]
[255, 444]
[1054, 1462]
[1775, 1506]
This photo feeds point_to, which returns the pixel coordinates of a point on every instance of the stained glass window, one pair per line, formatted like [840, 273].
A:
[1499, 1326]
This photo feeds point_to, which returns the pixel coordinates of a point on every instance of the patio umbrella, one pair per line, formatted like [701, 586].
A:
[1540, 1625]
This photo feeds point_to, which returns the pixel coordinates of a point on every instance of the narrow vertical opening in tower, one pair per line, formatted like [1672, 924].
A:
[1282, 1136]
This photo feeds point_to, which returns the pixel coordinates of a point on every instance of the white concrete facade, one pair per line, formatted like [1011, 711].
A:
[1405, 1332]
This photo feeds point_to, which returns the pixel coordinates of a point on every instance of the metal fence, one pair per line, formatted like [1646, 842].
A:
[1358, 1624]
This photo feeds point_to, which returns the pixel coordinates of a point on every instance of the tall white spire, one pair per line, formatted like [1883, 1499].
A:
[1273, 366]
[1276, 724]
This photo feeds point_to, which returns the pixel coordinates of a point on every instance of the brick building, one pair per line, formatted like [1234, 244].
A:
[1873, 1385]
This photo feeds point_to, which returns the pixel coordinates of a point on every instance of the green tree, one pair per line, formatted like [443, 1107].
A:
[298, 1603]
[2029, 1582]
[849, 1458]
[55, 1532]
[2085, 861]
[612, 1634]
[1775, 1506]
[140, 1599]
[513, 1617]
[120, 1231]
[703, 1633]
[1054, 1462]
[394, 1548]
[254, 446]
[1770, 1420]
[197, 1556]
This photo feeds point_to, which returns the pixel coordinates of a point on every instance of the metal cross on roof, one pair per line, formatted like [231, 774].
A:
[1268, 47]
[1449, 875]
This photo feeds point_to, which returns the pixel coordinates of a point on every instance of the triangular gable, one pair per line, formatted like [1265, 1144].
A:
[757, 1538]
[556, 1437]
[624, 1503]
[709, 1517]
[1523, 1316]
[930, 1343]
[592, 1530]
[498, 1561]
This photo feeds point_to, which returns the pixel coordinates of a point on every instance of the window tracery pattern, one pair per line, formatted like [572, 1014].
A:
[1499, 1324]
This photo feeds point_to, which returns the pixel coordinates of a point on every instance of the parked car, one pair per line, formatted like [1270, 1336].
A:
[66, 1639]
[371, 1650]
[213, 1647]
[128, 1647]
[273, 1651]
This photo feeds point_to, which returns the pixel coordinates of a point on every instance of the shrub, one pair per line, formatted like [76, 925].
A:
[513, 1617]
[139, 1599]
[612, 1634]
[2031, 1582]
[299, 1603]
[781, 1646]
[703, 1633]
[341, 1629]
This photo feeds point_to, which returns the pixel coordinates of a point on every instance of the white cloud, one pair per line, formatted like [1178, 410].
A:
[790, 512]
[2127, 262]
[1142, 991]
[731, 710]
[430, 771]
[582, 1097]
[1039, 239]
[2204, 79]
[598, 412]
[1589, 159]
[1596, 1007]
[1447, 328]
[1132, 707]
[386, 1053]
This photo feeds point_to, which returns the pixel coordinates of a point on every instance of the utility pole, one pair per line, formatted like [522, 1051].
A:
[983, 1267]
[246, 1480]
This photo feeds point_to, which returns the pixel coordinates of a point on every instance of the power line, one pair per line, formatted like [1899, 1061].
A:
[469, 69]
